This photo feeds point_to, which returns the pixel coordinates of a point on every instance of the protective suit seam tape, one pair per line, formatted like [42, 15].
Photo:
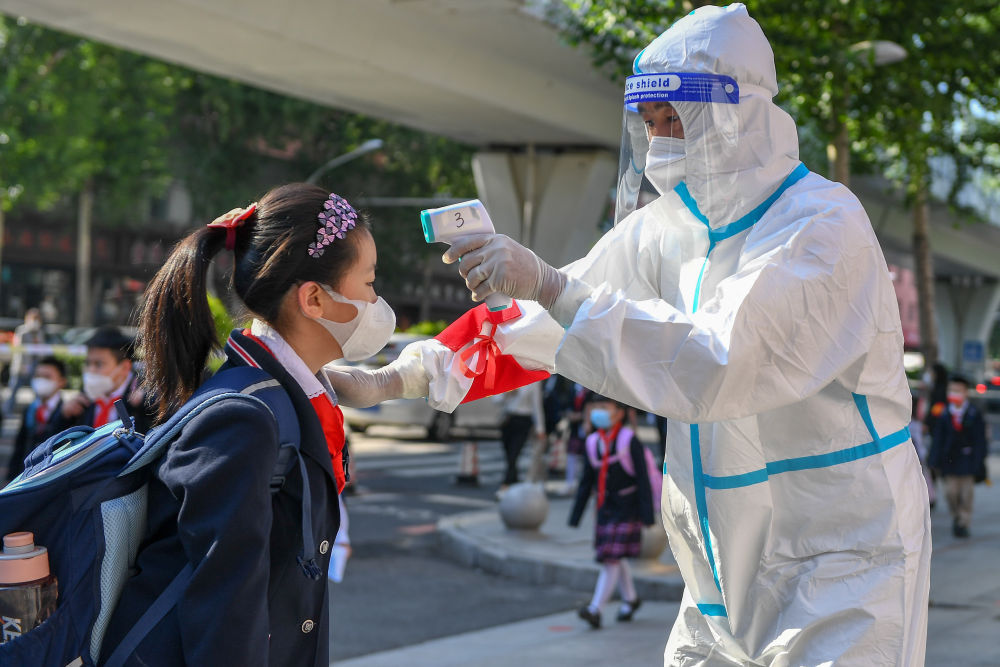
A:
[682, 191]
[861, 401]
[713, 610]
[751, 218]
[701, 502]
[815, 461]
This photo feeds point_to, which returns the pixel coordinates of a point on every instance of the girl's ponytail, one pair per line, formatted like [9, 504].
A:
[176, 328]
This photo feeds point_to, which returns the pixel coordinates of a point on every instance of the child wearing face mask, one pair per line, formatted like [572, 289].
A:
[624, 505]
[109, 374]
[304, 267]
[958, 452]
[42, 418]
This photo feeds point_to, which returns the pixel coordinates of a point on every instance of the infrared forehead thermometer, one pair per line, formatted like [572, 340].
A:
[445, 224]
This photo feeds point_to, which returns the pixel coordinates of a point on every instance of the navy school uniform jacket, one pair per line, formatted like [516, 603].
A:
[31, 434]
[956, 452]
[210, 504]
[626, 498]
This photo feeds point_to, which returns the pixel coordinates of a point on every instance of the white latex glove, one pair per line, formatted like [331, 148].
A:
[403, 378]
[496, 263]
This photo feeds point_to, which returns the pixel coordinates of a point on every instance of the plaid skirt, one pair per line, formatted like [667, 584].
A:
[614, 541]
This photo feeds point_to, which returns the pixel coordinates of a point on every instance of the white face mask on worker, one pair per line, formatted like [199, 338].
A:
[665, 163]
[365, 334]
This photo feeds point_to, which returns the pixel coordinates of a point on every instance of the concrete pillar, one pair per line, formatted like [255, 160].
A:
[552, 201]
[966, 309]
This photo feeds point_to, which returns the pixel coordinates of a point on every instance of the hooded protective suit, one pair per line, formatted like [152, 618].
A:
[761, 318]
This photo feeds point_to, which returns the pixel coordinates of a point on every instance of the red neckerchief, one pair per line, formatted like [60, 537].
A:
[331, 419]
[956, 419]
[41, 415]
[602, 476]
[105, 407]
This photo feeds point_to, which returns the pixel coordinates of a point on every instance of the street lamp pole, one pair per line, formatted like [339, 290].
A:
[366, 147]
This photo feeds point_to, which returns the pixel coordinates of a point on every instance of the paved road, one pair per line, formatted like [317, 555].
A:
[397, 590]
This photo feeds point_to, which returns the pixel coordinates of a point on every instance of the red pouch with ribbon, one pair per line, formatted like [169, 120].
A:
[471, 337]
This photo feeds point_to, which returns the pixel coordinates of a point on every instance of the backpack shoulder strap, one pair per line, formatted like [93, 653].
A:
[151, 617]
[623, 447]
[278, 402]
[591, 446]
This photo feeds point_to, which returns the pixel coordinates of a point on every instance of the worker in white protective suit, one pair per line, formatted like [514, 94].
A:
[749, 303]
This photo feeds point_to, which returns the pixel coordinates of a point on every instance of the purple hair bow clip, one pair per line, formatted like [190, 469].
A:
[335, 220]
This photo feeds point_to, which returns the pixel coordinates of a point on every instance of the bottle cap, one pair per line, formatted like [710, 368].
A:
[22, 560]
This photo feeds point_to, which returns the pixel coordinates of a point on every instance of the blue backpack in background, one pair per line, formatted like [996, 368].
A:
[83, 493]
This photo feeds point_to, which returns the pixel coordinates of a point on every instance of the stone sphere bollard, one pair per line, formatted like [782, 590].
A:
[524, 506]
[654, 541]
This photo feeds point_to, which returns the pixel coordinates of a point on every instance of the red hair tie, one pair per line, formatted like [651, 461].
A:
[232, 221]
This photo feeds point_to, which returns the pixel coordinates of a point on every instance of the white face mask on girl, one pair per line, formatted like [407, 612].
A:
[367, 333]
[665, 163]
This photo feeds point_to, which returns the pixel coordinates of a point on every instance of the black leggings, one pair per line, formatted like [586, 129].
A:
[514, 433]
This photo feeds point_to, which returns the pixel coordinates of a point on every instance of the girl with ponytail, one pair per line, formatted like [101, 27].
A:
[304, 265]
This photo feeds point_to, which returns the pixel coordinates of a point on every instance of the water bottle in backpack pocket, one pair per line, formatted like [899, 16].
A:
[28, 590]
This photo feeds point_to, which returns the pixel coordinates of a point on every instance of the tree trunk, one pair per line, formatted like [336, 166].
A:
[2, 234]
[839, 151]
[85, 212]
[842, 155]
[925, 276]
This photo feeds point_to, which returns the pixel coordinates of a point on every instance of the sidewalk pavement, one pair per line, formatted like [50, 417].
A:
[964, 616]
[554, 554]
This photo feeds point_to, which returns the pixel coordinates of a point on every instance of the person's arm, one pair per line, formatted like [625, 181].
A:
[73, 409]
[782, 327]
[622, 258]
[582, 492]
[537, 412]
[982, 446]
[220, 470]
[644, 492]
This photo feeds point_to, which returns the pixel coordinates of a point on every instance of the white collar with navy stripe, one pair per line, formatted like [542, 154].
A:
[312, 385]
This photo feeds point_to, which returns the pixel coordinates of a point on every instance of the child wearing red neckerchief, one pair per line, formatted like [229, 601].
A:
[624, 504]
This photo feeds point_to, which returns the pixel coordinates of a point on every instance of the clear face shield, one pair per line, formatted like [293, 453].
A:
[680, 127]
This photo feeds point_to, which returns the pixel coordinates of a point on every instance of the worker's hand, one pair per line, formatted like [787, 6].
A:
[75, 407]
[494, 263]
[403, 378]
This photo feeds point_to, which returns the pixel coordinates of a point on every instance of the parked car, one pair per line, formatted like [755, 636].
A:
[486, 413]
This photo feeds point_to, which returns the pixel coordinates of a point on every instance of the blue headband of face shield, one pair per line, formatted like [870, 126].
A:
[680, 87]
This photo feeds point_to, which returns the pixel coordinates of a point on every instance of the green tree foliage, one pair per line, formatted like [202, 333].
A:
[76, 113]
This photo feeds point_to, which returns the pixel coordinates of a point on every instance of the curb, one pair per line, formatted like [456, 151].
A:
[459, 546]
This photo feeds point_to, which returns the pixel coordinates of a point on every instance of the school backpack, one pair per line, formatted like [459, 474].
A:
[83, 494]
[623, 455]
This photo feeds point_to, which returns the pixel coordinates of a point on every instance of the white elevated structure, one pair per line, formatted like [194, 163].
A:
[492, 73]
